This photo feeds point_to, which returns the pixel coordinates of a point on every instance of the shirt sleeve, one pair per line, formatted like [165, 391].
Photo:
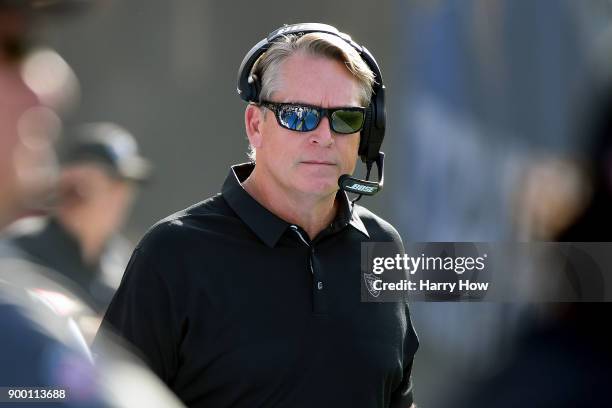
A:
[142, 313]
[402, 396]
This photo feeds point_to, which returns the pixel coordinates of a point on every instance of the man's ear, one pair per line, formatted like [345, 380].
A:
[253, 122]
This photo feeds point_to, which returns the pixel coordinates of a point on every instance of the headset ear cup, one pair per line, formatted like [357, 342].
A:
[365, 133]
[377, 126]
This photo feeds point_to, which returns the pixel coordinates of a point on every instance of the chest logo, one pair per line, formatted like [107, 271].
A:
[369, 279]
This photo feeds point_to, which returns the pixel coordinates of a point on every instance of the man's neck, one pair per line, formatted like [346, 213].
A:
[311, 213]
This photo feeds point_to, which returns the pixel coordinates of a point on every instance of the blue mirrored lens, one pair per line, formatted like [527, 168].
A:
[312, 120]
[299, 118]
[291, 120]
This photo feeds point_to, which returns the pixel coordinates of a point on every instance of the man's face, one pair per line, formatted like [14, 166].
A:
[309, 162]
[99, 198]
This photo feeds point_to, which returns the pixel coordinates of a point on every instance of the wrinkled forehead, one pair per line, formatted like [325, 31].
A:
[317, 80]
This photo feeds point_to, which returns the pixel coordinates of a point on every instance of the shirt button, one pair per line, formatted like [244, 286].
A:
[320, 285]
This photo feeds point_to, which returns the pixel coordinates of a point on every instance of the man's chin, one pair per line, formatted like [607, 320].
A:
[320, 189]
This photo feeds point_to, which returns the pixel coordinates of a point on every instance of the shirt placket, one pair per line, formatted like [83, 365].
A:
[318, 287]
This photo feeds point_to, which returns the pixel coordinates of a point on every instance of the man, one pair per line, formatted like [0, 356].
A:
[97, 181]
[252, 297]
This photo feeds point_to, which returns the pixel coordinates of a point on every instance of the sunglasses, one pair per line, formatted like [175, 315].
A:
[304, 118]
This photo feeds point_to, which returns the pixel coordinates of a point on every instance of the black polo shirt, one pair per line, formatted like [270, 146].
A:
[234, 307]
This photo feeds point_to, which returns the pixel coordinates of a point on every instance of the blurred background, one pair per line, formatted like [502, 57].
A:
[486, 107]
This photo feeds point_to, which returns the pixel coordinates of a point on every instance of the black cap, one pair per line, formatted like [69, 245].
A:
[111, 146]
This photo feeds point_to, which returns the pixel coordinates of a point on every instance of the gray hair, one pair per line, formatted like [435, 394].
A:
[267, 67]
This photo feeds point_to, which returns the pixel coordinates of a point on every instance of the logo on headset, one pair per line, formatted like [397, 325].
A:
[297, 27]
[361, 187]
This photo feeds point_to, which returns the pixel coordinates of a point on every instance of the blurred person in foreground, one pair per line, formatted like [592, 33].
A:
[40, 344]
[16, 99]
[252, 297]
[100, 170]
[39, 347]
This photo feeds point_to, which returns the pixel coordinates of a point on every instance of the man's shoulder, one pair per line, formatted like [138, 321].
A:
[197, 221]
[378, 228]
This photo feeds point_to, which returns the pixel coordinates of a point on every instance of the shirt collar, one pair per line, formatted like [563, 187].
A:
[266, 225]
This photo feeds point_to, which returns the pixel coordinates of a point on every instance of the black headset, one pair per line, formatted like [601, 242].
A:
[373, 131]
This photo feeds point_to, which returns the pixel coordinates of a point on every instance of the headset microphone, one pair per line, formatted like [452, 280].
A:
[365, 187]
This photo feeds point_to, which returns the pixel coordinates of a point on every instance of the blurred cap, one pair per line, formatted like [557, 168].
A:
[111, 146]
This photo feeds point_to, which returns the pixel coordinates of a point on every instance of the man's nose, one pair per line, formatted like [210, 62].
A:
[323, 134]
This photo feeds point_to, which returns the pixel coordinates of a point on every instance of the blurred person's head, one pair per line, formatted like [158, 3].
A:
[315, 69]
[27, 126]
[100, 170]
[15, 99]
[551, 193]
